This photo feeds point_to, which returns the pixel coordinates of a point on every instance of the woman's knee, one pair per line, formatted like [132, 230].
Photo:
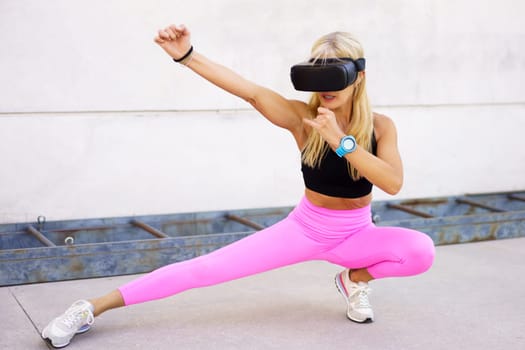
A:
[422, 253]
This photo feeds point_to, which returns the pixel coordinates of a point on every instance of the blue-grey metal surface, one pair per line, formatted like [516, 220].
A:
[61, 250]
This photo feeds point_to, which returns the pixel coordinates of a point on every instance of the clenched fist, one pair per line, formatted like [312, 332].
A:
[175, 40]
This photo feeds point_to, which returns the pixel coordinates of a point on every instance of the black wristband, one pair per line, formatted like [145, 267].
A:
[185, 56]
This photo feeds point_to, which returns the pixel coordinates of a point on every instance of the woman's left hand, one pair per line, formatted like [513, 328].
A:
[326, 124]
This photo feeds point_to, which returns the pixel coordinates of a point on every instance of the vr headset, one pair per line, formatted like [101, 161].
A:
[332, 74]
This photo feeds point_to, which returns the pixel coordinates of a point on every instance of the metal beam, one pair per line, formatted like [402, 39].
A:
[148, 228]
[480, 205]
[38, 235]
[516, 197]
[244, 221]
[409, 210]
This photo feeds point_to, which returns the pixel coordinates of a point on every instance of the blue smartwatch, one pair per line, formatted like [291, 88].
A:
[347, 145]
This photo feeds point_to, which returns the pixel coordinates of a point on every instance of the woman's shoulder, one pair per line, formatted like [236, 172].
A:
[382, 124]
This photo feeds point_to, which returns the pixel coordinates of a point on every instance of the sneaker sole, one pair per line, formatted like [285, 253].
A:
[50, 343]
[60, 346]
[341, 290]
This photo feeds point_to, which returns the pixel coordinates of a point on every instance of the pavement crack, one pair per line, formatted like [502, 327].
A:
[24, 310]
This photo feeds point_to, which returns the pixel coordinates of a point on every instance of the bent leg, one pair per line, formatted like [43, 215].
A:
[385, 252]
[281, 244]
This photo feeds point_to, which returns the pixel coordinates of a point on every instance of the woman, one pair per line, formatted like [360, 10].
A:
[346, 149]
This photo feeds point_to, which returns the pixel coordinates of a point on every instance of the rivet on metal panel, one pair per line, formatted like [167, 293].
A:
[69, 240]
[41, 221]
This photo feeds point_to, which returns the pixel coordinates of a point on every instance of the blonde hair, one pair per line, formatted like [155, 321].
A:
[340, 45]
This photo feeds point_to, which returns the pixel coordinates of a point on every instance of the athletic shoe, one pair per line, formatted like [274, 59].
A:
[356, 296]
[77, 319]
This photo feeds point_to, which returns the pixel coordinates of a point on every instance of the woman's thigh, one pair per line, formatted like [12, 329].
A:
[385, 251]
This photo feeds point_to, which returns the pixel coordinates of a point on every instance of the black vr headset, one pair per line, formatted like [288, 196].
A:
[332, 74]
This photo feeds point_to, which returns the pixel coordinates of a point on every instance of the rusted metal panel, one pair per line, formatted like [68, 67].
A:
[21, 266]
[62, 250]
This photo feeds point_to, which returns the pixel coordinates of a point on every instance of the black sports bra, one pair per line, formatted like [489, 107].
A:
[331, 178]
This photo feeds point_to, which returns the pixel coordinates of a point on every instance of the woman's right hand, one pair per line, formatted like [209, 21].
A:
[175, 40]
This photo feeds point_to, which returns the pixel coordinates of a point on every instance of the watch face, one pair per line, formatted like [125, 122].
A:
[348, 144]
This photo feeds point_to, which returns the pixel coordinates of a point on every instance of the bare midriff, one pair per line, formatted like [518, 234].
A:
[337, 203]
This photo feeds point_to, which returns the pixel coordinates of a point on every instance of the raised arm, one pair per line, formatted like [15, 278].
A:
[288, 114]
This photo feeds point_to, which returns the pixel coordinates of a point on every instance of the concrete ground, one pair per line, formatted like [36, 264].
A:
[472, 298]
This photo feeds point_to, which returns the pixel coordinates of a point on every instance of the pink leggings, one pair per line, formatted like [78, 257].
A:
[344, 237]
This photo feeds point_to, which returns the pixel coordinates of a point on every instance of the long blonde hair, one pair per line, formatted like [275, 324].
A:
[361, 126]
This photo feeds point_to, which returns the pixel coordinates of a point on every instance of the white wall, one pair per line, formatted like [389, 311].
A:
[96, 121]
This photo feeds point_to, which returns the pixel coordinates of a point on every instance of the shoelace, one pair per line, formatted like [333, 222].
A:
[362, 291]
[74, 316]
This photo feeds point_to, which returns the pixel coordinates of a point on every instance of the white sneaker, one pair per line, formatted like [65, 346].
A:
[356, 296]
[77, 319]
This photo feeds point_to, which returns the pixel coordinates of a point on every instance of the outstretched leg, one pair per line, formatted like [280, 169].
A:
[279, 245]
